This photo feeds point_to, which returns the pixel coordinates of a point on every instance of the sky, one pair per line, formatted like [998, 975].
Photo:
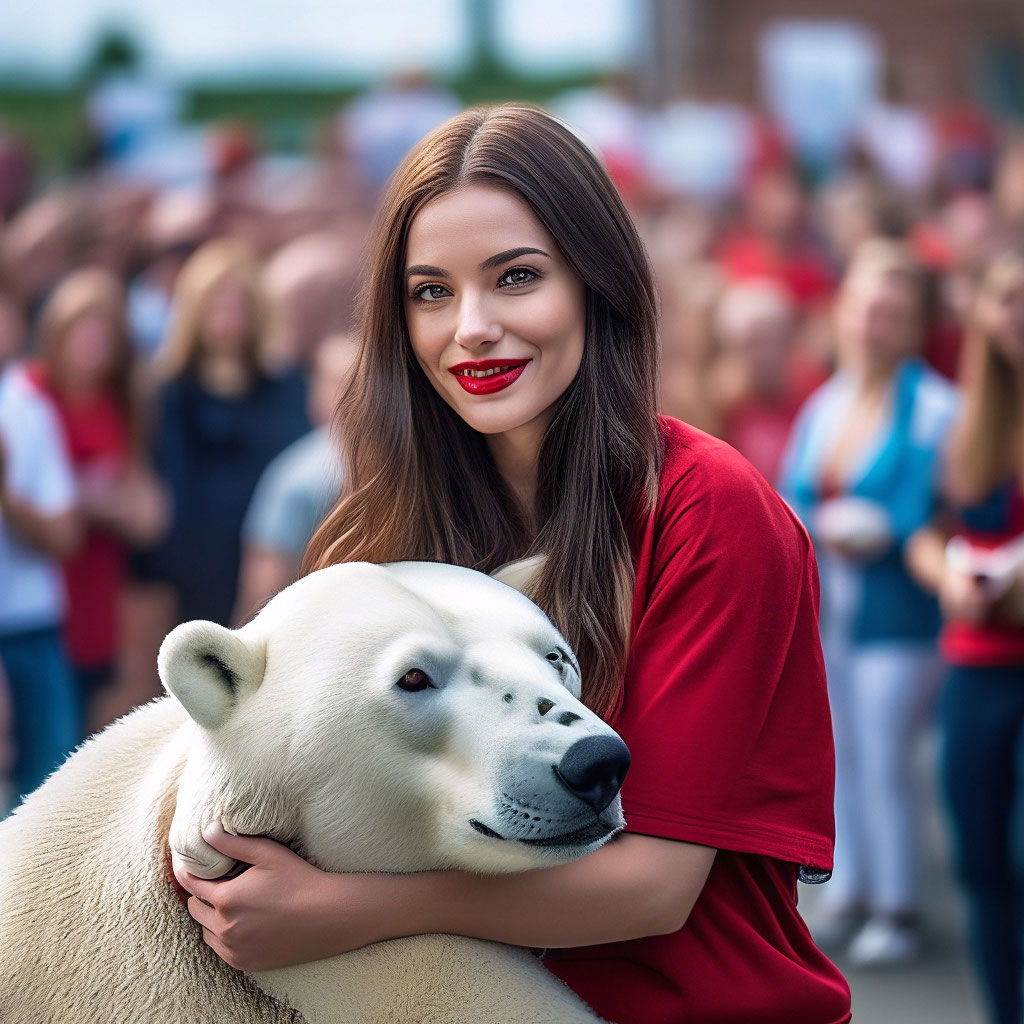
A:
[314, 38]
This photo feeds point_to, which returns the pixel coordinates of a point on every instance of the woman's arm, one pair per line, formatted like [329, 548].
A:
[961, 596]
[284, 911]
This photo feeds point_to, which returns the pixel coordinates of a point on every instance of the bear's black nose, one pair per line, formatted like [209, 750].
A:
[593, 768]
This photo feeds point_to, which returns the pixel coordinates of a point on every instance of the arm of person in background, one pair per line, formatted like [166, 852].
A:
[57, 534]
[278, 523]
[633, 886]
[961, 596]
[135, 506]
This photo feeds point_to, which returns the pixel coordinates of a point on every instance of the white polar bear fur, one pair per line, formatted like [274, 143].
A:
[92, 931]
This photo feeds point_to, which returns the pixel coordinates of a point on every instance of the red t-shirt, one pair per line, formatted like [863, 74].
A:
[96, 433]
[726, 715]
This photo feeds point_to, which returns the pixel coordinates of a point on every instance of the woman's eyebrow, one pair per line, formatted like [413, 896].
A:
[511, 254]
[425, 270]
[496, 260]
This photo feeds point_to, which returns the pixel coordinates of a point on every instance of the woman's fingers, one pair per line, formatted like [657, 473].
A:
[202, 912]
[203, 888]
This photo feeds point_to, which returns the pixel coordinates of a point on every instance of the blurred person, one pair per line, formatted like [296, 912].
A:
[298, 488]
[755, 384]
[39, 246]
[862, 471]
[975, 564]
[221, 417]
[85, 367]
[383, 124]
[680, 240]
[176, 224]
[113, 215]
[955, 240]
[1008, 194]
[310, 284]
[39, 525]
[851, 210]
[774, 238]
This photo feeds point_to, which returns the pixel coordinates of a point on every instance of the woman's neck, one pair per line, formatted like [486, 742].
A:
[873, 380]
[516, 454]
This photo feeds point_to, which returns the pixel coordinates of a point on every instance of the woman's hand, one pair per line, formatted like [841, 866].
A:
[282, 910]
[963, 598]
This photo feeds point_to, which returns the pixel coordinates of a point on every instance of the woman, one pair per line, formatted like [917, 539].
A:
[861, 471]
[85, 367]
[221, 418]
[979, 579]
[503, 404]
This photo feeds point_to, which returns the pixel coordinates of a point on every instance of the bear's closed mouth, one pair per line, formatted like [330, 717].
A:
[581, 836]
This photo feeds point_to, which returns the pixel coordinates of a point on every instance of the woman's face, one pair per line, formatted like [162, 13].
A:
[1002, 316]
[226, 322]
[878, 320]
[495, 314]
[89, 349]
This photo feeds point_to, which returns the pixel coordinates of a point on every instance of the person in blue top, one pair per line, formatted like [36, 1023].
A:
[861, 470]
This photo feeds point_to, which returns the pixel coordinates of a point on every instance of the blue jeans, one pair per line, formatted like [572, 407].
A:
[982, 713]
[44, 704]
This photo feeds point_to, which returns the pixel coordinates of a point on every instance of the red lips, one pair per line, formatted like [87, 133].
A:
[509, 371]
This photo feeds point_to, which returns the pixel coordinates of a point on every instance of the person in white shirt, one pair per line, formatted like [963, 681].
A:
[39, 524]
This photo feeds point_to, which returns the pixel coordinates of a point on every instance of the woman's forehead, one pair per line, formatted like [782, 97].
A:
[463, 224]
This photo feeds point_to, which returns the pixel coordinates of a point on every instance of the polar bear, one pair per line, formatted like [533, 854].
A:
[396, 717]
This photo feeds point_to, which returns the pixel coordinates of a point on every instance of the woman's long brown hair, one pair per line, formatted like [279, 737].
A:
[421, 483]
[987, 446]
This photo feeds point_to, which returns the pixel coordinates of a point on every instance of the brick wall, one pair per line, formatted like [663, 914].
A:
[932, 47]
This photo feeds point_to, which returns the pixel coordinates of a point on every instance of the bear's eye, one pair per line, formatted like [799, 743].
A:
[415, 680]
[554, 656]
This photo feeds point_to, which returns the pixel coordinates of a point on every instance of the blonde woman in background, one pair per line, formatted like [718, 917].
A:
[221, 417]
[861, 471]
[976, 567]
[85, 367]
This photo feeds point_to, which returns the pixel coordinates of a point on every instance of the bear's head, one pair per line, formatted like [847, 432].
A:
[396, 717]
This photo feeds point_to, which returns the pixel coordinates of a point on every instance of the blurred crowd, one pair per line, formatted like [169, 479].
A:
[170, 354]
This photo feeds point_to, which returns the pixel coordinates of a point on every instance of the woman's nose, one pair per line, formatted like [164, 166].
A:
[476, 325]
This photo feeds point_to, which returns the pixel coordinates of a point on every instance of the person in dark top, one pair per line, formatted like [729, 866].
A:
[219, 419]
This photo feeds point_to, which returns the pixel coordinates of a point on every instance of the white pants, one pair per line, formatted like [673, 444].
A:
[878, 692]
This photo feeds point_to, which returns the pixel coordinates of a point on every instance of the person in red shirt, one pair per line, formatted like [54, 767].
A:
[85, 367]
[976, 566]
[503, 405]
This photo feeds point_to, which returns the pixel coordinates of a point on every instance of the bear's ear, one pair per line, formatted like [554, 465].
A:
[521, 575]
[209, 669]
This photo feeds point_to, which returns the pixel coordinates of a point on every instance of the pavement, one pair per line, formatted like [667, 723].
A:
[939, 987]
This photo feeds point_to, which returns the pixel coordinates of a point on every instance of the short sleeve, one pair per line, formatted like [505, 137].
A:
[38, 467]
[725, 708]
[273, 520]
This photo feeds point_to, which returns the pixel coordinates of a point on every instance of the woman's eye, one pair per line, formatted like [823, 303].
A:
[516, 277]
[430, 292]
[415, 680]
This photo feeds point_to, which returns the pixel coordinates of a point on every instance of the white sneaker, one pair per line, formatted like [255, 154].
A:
[883, 943]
